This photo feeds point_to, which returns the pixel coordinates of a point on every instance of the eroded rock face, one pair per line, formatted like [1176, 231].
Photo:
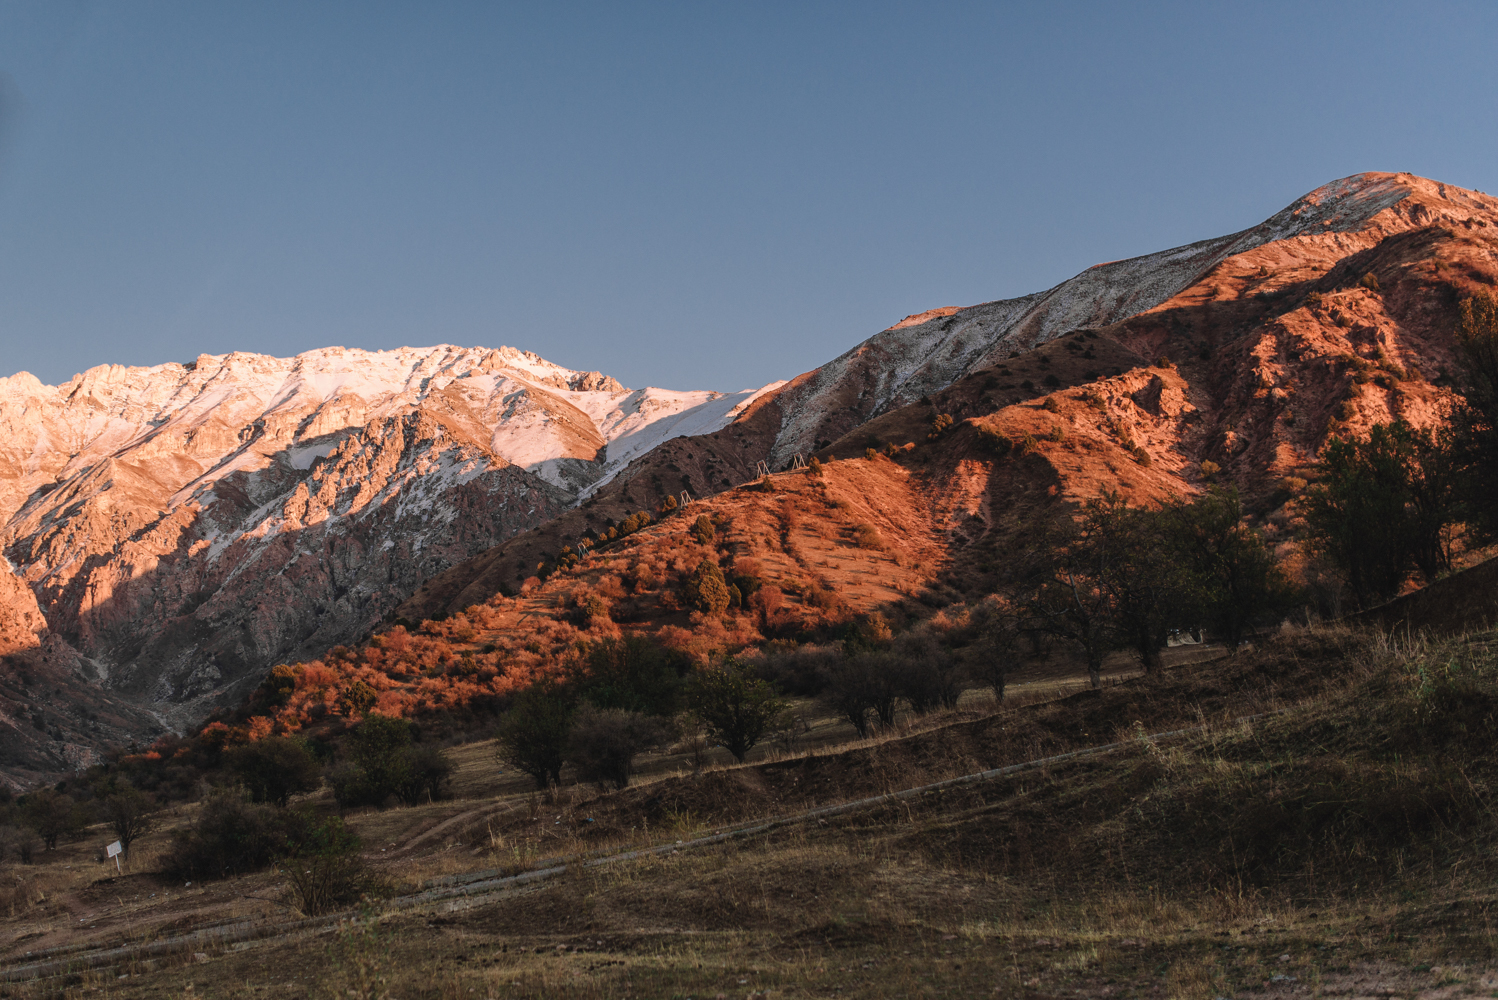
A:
[180, 529]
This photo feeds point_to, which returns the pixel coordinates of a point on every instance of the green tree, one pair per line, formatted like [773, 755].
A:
[1475, 422]
[735, 708]
[1384, 505]
[532, 735]
[1236, 581]
[428, 770]
[703, 530]
[275, 768]
[277, 687]
[1071, 597]
[357, 699]
[378, 746]
[130, 813]
[604, 742]
[1149, 588]
[706, 589]
[51, 814]
[632, 674]
[863, 688]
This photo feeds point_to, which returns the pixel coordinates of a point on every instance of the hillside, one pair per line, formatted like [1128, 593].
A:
[1278, 341]
[1265, 824]
[1248, 352]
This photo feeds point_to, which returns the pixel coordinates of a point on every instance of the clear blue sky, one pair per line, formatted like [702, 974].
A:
[704, 195]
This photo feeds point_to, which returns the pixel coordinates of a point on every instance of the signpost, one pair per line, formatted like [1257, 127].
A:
[114, 850]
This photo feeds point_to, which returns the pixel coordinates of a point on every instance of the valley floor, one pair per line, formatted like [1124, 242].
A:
[1324, 828]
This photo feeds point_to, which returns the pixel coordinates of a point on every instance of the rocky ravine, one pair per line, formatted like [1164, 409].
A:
[182, 528]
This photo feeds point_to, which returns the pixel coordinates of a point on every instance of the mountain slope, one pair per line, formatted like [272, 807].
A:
[1277, 345]
[184, 527]
[183, 531]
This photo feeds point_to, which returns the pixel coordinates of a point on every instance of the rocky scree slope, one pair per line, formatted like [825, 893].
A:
[179, 529]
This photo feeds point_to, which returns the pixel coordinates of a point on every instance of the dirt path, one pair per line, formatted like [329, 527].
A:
[486, 811]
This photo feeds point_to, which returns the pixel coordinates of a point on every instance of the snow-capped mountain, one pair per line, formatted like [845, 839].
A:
[185, 526]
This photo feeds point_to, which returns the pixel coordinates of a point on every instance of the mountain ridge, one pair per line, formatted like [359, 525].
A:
[1278, 343]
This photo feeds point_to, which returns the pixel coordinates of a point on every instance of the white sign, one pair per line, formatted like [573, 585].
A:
[113, 849]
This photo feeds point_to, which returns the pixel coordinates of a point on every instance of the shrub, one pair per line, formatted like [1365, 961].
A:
[532, 736]
[230, 836]
[797, 670]
[1028, 445]
[1370, 282]
[871, 453]
[867, 536]
[939, 426]
[668, 504]
[1058, 433]
[1163, 362]
[1141, 456]
[603, 743]
[1027, 385]
[1209, 469]
[994, 443]
[820, 597]
[18, 842]
[1051, 381]
[1050, 405]
[735, 708]
[325, 870]
[814, 467]
[275, 768]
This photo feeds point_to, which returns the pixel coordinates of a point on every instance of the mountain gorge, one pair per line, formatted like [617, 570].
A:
[173, 532]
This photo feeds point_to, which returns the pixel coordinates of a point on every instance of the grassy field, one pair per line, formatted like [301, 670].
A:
[1339, 843]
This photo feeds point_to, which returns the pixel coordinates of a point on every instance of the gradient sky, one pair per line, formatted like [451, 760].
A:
[702, 195]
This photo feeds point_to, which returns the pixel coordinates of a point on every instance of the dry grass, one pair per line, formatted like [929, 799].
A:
[1101, 876]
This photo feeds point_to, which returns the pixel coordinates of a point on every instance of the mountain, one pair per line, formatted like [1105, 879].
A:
[1277, 343]
[184, 527]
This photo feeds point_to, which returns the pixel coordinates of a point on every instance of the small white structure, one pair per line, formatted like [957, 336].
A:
[114, 850]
